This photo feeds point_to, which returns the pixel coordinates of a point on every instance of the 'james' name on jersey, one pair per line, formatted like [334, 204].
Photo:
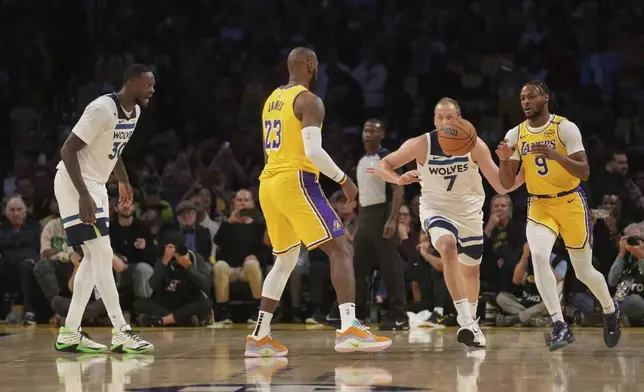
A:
[105, 128]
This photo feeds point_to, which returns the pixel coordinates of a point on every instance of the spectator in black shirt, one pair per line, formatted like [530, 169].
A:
[197, 237]
[613, 180]
[608, 222]
[627, 274]
[19, 247]
[134, 244]
[502, 246]
[181, 281]
[239, 242]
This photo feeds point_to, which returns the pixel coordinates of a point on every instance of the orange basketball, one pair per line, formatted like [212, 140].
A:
[457, 137]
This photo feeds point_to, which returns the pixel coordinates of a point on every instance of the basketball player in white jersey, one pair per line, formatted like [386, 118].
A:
[89, 155]
[451, 212]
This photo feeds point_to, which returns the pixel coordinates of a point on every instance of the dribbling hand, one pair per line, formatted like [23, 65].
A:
[504, 151]
[87, 209]
[409, 178]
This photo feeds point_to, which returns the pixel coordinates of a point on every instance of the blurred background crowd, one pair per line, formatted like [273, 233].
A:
[196, 155]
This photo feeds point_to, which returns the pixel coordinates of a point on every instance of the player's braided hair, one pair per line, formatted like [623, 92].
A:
[539, 85]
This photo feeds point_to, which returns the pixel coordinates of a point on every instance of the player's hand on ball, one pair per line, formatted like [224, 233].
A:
[409, 178]
[504, 151]
[87, 209]
[350, 190]
[126, 195]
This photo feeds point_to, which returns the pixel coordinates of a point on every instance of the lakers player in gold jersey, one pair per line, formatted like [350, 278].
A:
[296, 210]
[552, 154]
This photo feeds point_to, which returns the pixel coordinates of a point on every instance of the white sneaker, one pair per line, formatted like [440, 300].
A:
[471, 335]
[127, 342]
[77, 342]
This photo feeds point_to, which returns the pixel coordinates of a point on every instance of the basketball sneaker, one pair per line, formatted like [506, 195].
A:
[127, 342]
[71, 341]
[358, 338]
[264, 347]
[471, 335]
[561, 336]
[612, 328]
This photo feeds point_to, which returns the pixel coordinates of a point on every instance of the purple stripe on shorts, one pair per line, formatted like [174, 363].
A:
[589, 220]
[321, 205]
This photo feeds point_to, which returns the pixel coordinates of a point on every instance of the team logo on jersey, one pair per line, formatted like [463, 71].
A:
[447, 170]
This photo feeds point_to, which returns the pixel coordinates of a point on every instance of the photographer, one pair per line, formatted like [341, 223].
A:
[627, 273]
[180, 282]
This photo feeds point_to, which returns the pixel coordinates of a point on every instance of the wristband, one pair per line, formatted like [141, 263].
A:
[343, 179]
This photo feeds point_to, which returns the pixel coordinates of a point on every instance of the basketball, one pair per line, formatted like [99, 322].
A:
[457, 137]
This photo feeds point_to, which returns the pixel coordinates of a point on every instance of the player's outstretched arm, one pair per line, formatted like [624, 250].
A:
[311, 110]
[412, 149]
[482, 156]
[509, 158]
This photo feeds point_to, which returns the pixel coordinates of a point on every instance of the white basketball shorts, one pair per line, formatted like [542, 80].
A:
[67, 197]
[468, 232]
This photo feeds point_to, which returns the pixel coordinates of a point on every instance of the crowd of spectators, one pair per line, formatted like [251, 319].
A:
[195, 156]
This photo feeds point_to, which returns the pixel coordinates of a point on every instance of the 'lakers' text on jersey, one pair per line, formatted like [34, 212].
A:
[292, 200]
[105, 128]
[282, 134]
[543, 176]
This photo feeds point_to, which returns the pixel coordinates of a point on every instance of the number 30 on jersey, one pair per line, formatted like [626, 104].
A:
[273, 129]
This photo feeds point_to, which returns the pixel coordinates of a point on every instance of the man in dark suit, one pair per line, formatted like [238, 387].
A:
[197, 237]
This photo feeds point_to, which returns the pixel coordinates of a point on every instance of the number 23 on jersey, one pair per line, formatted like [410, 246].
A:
[273, 131]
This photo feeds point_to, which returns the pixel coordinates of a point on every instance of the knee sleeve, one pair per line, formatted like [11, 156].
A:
[276, 279]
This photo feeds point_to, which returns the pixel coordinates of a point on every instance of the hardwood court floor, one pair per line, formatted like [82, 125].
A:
[203, 360]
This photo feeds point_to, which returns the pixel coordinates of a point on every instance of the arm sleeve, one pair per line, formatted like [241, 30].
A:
[312, 138]
[571, 137]
[513, 137]
[95, 120]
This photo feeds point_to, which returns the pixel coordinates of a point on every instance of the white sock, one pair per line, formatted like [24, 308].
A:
[541, 240]
[347, 315]
[101, 253]
[83, 287]
[473, 308]
[263, 326]
[463, 310]
[582, 261]
[439, 311]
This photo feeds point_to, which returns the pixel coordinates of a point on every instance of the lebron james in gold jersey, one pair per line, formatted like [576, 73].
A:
[552, 154]
[296, 210]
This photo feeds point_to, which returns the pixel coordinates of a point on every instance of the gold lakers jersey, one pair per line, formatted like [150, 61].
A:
[544, 176]
[282, 132]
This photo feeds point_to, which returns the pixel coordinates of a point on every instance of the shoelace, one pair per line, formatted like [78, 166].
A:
[558, 328]
[130, 334]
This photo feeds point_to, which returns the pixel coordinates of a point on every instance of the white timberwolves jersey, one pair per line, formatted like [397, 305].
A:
[106, 128]
[450, 183]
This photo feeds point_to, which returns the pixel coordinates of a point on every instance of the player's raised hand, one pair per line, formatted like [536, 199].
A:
[504, 151]
[126, 195]
[350, 190]
[409, 178]
[87, 209]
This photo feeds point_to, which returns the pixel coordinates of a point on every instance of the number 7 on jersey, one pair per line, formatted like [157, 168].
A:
[273, 134]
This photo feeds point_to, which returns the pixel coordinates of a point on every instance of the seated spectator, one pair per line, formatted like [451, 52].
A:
[502, 246]
[428, 273]
[134, 244]
[19, 247]
[608, 222]
[151, 217]
[239, 242]
[627, 274]
[197, 238]
[181, 281]
[197, 195]
[528, 309]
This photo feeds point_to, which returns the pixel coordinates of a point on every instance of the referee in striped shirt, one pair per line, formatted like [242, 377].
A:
[376, 239]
